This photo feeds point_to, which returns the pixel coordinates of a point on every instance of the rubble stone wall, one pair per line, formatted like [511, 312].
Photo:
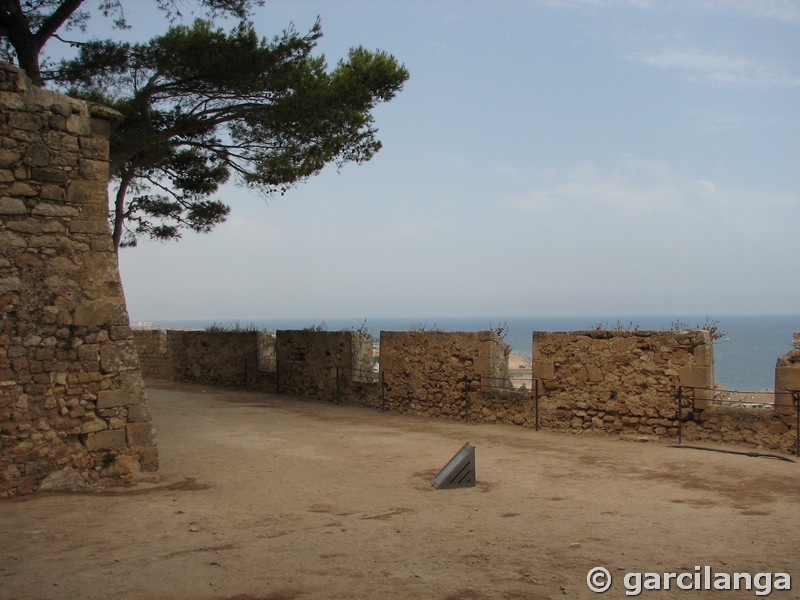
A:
[629, 382]
[72, 402]
[620, 381]
[318, 364]
[592, 382]
[435, 373]
[787, 378]
[154, 353]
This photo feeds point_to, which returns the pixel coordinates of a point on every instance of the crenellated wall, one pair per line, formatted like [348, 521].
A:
[596, 382]
[72, 401]
[787, 377]
[317, 364]
[630, 382]
[620, 381]
[155, 358]
[433, 373]
[226, 358]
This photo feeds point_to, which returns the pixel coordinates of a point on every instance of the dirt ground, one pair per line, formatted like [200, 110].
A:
[271, 497]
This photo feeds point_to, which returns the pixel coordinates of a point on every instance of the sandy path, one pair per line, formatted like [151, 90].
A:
[269, 497]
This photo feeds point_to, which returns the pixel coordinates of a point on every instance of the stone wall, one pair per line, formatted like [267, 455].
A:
[226, 358]
[155, 358]
[787, 378]
[764, 429]
[317, 364]
[437, 373]
[72, 402]
[597, 382]
[620, 381]
[630, 382]
[218, 358]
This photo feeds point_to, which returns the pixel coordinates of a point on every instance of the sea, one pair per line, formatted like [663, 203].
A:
[744, 357]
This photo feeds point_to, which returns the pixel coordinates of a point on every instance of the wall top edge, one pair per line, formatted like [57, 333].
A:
[43, 96]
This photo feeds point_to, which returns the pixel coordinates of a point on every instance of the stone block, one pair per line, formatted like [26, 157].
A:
[704, 355]
[12, 206]
[140, 434]
[105, 311]
[113, 398]
[11, 240]
[26, 121]
[94, 147]
[111, 439]
[595, 374]
[79, 124]
[83, 192]
[149, 459]
[699, 377]
[96, 170]
[49, 175]
[44, 209]
[544, 368]
[93, 426]
[10, 284]
[138, 413]
[20, 188]
[37, 155]
[46, 225]
[787, 378]
[8, 158]
[90, 226]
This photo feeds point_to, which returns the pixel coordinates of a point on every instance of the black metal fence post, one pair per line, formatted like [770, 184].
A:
[680, 414]
[536, 403]
[466, 398]
[796, 396]
[383, 394]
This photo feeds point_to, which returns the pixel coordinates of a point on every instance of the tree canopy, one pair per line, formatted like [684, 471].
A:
[201, 105]
[26, 26]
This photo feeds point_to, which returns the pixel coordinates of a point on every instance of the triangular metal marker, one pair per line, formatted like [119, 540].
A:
[459, 472]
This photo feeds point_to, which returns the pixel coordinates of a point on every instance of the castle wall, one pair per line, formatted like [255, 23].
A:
[630, 382]
[787, 378]
[318, 364]
[589, 382]
[434, 373]
[72, 401]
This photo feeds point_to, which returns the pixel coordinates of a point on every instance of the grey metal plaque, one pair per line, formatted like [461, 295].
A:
[459, 471]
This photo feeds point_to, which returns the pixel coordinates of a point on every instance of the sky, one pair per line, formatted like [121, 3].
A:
[573, 157]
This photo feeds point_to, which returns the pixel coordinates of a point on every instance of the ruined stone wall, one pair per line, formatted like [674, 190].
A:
[226, 358]
[787, 378]
[764, 428]
[600, 382]
[316, 364]
[72, 403]
[628, 382]
[155, 358]
[619, 381]
[495, 405]
[434, 373]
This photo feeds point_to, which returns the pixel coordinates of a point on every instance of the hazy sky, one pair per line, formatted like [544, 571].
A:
[545, 158]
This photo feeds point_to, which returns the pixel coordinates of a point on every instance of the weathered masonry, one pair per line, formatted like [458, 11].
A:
[631, 382]
[628, 383]
[72, 402]
[622, 381]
